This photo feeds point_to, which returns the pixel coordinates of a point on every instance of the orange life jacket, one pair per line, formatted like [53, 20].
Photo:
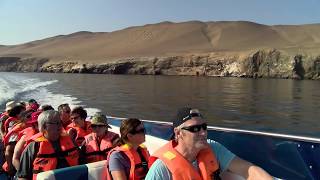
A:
[4, 114]
[81, 133]
[183, 169]
[98, 152]
[7, 123]
[46, 158]
[138, 161]
[28, 134]
[15, 130]
[33, 138]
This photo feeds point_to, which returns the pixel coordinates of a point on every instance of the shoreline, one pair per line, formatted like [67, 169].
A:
[260, 64]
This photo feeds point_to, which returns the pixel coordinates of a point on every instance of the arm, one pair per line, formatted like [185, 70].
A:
[72, 133]
[26, 161]
[118, 175]
[248, 170]
[118, 164]
[17, 152]
[8, 156]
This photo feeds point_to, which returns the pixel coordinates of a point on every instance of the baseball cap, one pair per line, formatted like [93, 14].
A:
[100, 119]
[184, 114]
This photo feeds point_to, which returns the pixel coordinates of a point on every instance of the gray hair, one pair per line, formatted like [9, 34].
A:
[45, 117]
[175, 137]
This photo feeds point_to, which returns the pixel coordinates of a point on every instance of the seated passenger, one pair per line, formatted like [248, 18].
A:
[14, 116]
[24, 138]
[52, 150]
[79, 127]
[32, 104]
[98, 143]
[64, 110]
[13, 125]
[130, 159]
[5, 115]
[189, 156]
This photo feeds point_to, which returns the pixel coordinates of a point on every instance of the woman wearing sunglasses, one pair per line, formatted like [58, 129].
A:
[189, 156]
[130, 159]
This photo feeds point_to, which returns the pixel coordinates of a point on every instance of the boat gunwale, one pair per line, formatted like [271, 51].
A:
[262, 133]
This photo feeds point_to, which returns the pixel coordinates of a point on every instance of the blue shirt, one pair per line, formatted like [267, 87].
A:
[159, 170]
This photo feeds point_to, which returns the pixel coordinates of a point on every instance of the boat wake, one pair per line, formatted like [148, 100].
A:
[16, 86]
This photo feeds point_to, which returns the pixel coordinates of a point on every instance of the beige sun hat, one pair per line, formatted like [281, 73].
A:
[10, 105]
[100, 119]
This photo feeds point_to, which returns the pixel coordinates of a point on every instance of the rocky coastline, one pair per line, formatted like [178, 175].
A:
[259, 64]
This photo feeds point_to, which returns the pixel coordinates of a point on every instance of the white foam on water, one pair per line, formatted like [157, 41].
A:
[37, 85]
[12, 85]
[44, 96]
[5, 92]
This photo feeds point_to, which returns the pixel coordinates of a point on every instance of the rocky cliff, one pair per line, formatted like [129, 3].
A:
[260, 64]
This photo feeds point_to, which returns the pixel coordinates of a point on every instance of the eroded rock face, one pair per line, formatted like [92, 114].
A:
[16, 64]
[260, 64]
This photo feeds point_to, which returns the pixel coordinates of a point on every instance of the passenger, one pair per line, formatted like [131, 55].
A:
[45, 107]
[130, 159]
[65, 110]
[14, 116]
[5, 115]
[189, 156]
[32, 104]
[52, 150]
[79, 127]
[11, 138]
[97, 144]
[25, 137]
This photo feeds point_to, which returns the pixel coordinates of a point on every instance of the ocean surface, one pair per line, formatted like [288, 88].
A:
[271, 105]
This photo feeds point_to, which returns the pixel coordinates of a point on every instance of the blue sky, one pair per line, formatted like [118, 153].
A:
[27, 20]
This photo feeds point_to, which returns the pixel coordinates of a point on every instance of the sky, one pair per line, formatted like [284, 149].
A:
[28, 20]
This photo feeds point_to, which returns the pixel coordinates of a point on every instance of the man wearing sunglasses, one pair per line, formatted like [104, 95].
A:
[189, 156]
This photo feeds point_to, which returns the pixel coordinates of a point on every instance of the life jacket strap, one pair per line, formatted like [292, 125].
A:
[103, 152]
[144, 163]
[57, 154]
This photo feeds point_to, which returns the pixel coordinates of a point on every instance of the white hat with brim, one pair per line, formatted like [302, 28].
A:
[10, 105]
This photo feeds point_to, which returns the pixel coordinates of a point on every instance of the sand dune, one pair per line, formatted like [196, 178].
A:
[166, 38]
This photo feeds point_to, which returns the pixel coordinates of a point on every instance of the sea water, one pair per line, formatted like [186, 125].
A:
[271, 105]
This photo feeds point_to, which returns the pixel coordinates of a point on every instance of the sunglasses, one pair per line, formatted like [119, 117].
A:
[142, 130]
[193, 113]
[196, 128]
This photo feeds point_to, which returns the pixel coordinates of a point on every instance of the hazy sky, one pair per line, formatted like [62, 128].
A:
[27, 20]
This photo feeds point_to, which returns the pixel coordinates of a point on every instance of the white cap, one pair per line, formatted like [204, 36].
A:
[10, 105]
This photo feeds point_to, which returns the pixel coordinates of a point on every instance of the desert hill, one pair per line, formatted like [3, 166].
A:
[171, 39]
[224, 39]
